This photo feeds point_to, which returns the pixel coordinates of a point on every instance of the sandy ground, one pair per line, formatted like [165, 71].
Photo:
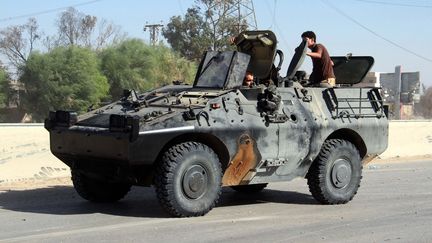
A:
[34, 184]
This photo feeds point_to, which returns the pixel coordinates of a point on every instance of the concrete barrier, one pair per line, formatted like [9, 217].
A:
[25, 154]
[409, 139]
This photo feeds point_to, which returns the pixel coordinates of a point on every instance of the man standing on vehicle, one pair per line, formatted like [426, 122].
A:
[322, 72]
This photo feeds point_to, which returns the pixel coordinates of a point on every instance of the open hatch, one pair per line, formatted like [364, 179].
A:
[350, 70]
[221, 70]
[261, 46]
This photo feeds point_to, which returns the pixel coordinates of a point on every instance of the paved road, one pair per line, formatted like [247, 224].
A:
[394, 203]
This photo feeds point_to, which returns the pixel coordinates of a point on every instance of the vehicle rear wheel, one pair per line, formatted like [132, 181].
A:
[335, 175]
[254, 188]
[188, 179]
[96, 190]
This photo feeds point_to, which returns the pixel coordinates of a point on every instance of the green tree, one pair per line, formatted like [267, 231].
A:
[190, 35]
[167, 66]
[4, 87]
[204, 26]
[135, 65]
[65, 78]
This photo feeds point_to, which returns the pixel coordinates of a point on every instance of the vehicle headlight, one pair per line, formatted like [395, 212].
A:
[61, 118]
[120, 123]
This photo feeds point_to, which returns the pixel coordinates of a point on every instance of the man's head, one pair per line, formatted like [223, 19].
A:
[249, 79]
[309, 37]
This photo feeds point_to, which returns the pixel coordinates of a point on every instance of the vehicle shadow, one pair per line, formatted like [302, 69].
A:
[140, 202]
[63, 200]
[230, 197]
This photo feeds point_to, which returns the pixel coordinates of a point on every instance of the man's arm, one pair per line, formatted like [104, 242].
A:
[316, 54]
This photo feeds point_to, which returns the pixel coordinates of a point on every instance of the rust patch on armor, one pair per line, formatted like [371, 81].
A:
[244, 160]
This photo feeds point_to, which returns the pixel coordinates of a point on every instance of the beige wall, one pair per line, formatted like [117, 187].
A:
[409, 138]
[24, 154]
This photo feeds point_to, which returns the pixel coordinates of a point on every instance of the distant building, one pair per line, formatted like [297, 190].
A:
[410, 86]
[410, 91]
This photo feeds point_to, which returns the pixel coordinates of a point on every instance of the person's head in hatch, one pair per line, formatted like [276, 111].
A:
[249, 79]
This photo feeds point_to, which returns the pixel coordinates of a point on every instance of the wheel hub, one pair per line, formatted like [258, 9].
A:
[195, 182]
[341, 173]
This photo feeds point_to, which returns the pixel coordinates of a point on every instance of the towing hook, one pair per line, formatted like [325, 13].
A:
[203, 114]
[240, 108]
[224, 104]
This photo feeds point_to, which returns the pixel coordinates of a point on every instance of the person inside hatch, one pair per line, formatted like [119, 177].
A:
[322, 72]
[249, 79]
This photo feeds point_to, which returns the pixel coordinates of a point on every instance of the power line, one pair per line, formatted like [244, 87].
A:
[277, 26]
[47, 11]
[274, 13]
[373, 32]
[181, 6]
[396, 4]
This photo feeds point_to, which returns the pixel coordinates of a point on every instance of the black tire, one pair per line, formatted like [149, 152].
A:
[95, 190]
[335, 175]
[254, 188]
[188, 180]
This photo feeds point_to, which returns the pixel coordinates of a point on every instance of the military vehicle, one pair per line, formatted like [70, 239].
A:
[188, 141]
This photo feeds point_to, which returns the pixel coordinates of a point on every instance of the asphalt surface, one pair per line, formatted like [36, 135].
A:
[394, 203]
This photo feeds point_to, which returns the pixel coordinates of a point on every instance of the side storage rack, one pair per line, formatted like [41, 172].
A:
[366, 103]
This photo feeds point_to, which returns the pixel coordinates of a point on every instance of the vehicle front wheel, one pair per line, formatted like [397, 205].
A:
[97, 190]
[335, 175]
[188, 179]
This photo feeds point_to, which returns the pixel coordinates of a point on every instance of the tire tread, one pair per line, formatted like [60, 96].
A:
[165, 172]
[316, 175]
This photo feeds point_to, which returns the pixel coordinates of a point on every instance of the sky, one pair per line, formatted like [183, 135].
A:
[394, 32]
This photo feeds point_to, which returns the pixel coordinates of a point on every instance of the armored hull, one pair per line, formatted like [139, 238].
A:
[280, 149]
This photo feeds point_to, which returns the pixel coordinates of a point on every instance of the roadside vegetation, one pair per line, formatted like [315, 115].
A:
[87, 62]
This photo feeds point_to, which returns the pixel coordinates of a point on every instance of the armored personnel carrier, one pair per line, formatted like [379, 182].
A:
[188, 141]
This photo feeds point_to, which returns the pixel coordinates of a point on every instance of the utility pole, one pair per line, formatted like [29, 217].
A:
[398, 74]
[154, 32]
